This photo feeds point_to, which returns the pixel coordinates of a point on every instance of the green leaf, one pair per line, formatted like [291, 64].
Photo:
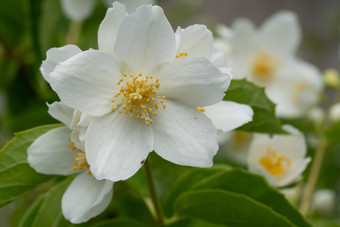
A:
[16, 176]
[256, 188]
[228, 208]
[187, 182]
[46, 211]
[121, 222]
[332, 133]
[264, 119]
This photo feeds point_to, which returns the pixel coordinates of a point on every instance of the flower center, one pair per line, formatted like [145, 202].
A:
[138, 97]
[80, 159]
[299, 88]
[274, 164]
[264, 66]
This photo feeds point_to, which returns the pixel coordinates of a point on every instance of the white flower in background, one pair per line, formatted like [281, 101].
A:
[60, 151]
[334, 112]
[280, 158]
[267, 57]
[323, 201]
[141, 95]
[223, 40]
[197, 40]
[79, 10]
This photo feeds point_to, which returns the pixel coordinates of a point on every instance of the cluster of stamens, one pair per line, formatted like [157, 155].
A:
[264, 66]
[80, 159]
[274, 164]
[137, 97]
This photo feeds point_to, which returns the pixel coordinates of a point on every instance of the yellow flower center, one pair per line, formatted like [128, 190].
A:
[138, 97]
[264, 66]
[80, 159]
[274, 164]
[299, 88]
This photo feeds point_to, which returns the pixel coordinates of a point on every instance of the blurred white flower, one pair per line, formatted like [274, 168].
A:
[334, 112]
[280, 158]
[197, 40]
[79, 10]
[323, 201]
[141, 95]
[223, 40]
[316, 115]
[267, 58]
[60, 151]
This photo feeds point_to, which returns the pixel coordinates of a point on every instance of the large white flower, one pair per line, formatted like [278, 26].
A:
[79, 10]
[141, 95]
[280, 158]
[197, 40]
[267, 58]
[60, 151]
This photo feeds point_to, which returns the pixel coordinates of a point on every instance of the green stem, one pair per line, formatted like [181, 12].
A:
[313, 177]
[154, 197]
[73, 32]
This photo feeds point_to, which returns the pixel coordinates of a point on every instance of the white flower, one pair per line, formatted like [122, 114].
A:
[334, 112]
[267, 58]
[61, 152]
[197, 40]
[223, 40]
[141, 96]
[280, 158]
[79, 10]
[324, 201]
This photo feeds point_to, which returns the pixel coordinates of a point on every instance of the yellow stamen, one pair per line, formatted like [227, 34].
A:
[79, 159]
[274, 164]
[200, 109]
[182, 54]
[264, 67]
[138, 96]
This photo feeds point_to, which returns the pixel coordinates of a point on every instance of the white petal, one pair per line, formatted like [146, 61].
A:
[229, 115]
[61, 112]
[296, 89]
[132, 5]
[184, 136]
[116, 146]
[50, 153]
[218, 59]
[55, 56]
[85, 198]
[87, 82]
[281, 34]
[145, 39]
[244, 47]
[196, 40]
[193, 81]
[77, 10]
[108, 28]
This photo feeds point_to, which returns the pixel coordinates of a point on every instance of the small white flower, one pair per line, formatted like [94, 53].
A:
[280, 158]
[334, 112]
[324, 201]
[79, 10]
[140, 95]
[267, 57]
[60, 151]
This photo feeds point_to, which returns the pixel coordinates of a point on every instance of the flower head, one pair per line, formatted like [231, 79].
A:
[267, 57]
[60, 151]
[280, 158]
[141, 94]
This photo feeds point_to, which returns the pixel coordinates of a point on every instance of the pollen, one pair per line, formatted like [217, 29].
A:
[182, 54]
[264, 66]
[80, 161]
[200, 109]
[274, 164]
[137, 97]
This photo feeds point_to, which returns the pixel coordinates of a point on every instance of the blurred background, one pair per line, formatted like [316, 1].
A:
[28, 28]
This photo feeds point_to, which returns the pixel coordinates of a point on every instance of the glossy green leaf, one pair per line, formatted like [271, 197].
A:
[228, 208]
[16, 176]
[46, 211]
[187, 182]
[264, 119]
[121, 222]
[255, 187]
